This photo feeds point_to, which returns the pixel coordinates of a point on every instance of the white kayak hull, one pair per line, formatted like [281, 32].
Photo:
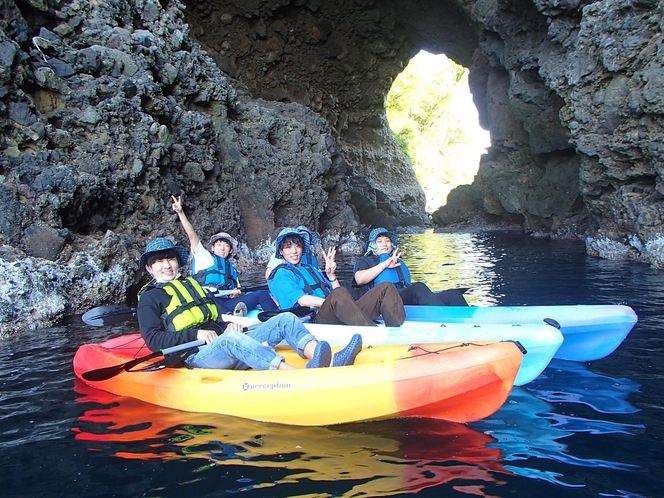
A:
[540, 341]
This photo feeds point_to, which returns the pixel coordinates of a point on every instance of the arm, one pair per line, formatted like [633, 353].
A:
[286, 288]
[271, 265]
[194, 240]
[310, 301]
[368, 275]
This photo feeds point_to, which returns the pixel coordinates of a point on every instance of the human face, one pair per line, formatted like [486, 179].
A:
[222, 248]
[383, 245]
[164, 269]
[292, 253]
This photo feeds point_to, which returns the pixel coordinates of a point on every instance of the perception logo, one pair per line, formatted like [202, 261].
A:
[265, 387]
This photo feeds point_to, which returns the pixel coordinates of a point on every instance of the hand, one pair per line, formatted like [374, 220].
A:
[177, 204]
[235, 293]
[330, 263]
[206, 335]
[393, 261]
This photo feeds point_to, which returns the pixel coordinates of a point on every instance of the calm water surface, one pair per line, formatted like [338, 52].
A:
[580, 429]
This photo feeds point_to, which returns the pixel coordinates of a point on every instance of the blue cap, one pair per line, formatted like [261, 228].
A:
[285, 233]
[163, 244]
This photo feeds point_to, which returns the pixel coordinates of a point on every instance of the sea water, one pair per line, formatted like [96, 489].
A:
[579, 430]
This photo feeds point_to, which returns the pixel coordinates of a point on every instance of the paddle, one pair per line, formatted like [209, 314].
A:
[113, 314]
[264, 316]
[108, 372]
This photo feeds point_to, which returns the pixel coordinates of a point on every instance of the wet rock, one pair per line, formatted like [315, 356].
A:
[105, 121]
[41, 241]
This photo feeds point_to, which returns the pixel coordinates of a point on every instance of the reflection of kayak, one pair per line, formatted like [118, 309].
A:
[572, 382]
[456, 382]
[541, 341]
[375, 459]
[529, 428]
[591, 332]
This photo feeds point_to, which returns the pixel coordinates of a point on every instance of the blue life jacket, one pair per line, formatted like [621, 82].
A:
[399, 276]
[312, 283]
[221, 274]
[308, 257]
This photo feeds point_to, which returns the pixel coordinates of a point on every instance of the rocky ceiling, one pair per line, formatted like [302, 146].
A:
[566, 88]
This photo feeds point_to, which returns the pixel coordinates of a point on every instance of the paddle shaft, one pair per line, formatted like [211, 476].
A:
[109, 372]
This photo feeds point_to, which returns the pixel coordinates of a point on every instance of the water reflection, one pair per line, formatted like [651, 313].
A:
[529, 428]
[386, 457]
[572, 382]
[379, 458]
[514, 270]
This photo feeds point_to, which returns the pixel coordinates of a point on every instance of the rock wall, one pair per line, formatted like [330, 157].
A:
[271, 113]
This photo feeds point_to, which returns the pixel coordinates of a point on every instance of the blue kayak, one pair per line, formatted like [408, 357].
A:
[590, 332]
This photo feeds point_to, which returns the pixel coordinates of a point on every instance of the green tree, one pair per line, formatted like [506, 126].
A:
[435, 124]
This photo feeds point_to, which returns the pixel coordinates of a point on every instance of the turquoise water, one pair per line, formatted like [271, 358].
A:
[580, 429]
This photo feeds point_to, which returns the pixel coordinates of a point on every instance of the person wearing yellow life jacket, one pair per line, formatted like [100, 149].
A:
[173, 310]
[293, 283]
[382, 263]
[212, 267]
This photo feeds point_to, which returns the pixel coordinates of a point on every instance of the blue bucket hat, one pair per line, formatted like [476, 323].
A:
[377, 232]
[163, 244]
[285, 233]
[310, 237]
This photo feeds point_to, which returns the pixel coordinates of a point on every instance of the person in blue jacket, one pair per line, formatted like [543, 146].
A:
[212, 267]
[293, 284]
[310, 238]
[382, 263]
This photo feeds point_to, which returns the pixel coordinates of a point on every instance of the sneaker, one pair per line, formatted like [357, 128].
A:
[347, 355]
[322, 356]
[240, 309]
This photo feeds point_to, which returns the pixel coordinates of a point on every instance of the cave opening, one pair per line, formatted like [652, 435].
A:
[436, 125]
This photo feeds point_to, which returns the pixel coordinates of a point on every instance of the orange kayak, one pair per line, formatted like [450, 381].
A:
[451, 381]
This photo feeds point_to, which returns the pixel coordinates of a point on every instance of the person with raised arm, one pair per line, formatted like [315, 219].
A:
[212, 267]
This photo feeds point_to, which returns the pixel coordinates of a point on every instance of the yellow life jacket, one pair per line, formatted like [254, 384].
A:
[190, 304]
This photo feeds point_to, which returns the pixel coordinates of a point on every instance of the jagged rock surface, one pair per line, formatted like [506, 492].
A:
[108, 108]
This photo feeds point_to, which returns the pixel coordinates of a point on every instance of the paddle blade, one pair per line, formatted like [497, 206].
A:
[106, 373]
[108, 315]
[264, 316]
[102, 373]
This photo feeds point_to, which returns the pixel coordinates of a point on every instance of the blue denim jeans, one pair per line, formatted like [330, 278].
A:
[240, 351]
